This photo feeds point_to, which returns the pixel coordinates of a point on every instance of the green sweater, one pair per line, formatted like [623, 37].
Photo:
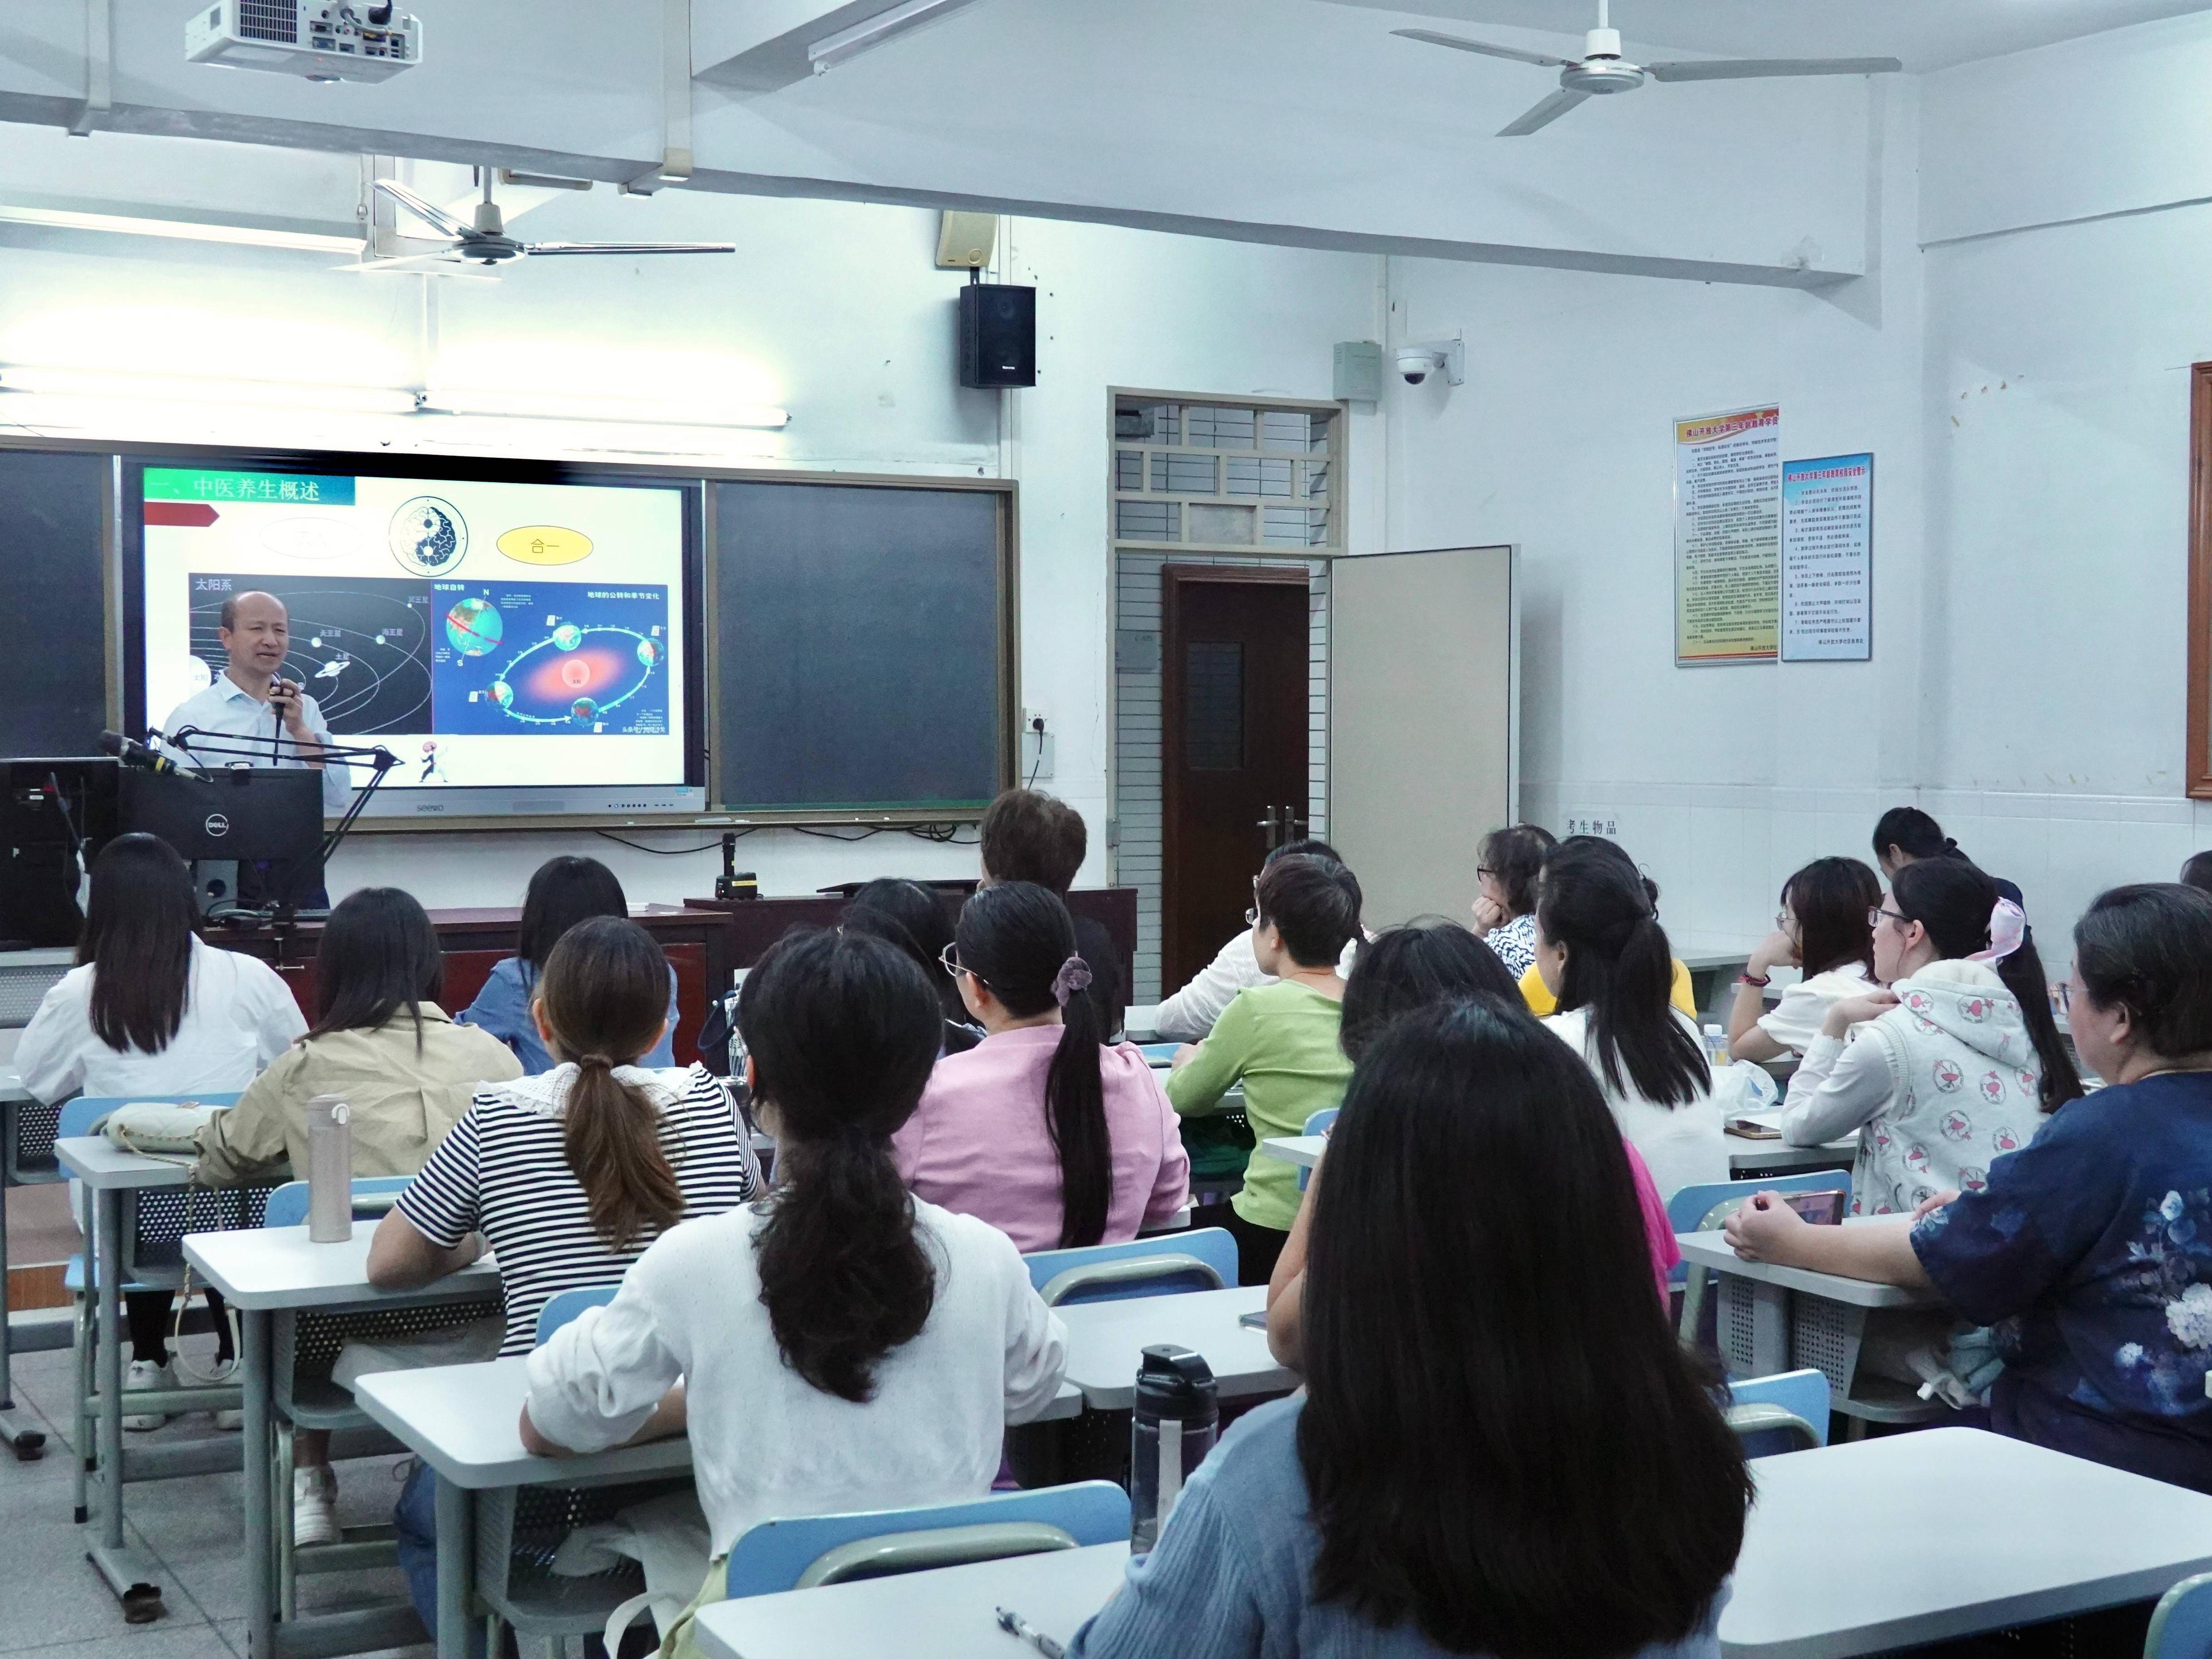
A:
[1280, 1040]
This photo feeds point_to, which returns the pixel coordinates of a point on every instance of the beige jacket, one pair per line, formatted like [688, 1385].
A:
[402, 1101]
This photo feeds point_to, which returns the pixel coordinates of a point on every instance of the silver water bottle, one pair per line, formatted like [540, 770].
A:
[330, 1169]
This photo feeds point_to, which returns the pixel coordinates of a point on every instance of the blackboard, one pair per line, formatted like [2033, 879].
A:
[51, 514]
[858, 647]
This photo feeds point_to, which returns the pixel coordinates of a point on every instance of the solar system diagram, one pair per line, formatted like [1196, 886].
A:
[517, 658]
[360, 645]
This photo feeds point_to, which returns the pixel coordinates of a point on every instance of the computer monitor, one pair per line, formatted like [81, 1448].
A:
[49, 806]
[226, 822]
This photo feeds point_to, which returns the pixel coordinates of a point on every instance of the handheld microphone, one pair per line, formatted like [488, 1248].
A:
[131, 752]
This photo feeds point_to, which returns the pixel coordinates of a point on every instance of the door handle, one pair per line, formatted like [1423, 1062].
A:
[1273, 824]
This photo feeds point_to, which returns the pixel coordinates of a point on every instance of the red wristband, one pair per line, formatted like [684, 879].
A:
[1745, 979]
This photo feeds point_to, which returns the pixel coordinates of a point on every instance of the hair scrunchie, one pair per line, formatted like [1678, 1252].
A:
[2007, 927]
[1075, 975]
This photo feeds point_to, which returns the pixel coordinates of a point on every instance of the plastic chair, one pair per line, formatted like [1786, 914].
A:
[1791, 1406]
[560, 1309]
[2181, 1624]
[1707, 1206]
[828, 1549]
[305, 1346]
[1201, 1259]
[1317, 1123]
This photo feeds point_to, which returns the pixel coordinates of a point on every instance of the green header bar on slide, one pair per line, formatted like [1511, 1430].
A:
[170, 483]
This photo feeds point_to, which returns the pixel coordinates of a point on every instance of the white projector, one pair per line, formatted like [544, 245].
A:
[322, 39]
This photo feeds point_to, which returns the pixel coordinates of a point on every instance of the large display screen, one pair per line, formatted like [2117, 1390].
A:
[494, 636]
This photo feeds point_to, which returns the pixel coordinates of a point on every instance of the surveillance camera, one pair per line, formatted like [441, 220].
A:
[1417, 363]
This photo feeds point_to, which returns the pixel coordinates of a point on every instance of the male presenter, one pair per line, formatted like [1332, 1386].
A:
[251, 699]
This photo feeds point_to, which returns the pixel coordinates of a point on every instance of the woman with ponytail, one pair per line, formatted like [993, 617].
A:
[1041, 1130]
[842, 1346]
[1951, 1066]
[1602, 952]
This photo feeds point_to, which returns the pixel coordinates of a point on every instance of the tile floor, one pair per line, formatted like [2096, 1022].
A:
[54, 1604]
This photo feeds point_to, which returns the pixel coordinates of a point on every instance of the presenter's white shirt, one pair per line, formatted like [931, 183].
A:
[239, 1016]
[226, 709]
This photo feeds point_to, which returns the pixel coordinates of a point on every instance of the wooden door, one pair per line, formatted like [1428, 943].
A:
[1233, 759]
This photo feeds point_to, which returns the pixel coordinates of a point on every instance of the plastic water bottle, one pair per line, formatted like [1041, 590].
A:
[1717, 1045]
[330, 1169]
[1177, 1415]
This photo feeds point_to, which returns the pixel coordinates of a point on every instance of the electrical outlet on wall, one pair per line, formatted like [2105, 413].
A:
[1036, 745]
[1592, 822]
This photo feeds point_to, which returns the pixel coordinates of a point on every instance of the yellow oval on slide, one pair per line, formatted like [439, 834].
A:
[545, 543]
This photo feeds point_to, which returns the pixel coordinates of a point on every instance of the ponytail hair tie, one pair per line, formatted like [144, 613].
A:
[1075, 975]
[2007, 927]
[603, 1061]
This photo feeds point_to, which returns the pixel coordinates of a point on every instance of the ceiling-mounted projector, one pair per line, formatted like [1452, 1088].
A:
[322, 39]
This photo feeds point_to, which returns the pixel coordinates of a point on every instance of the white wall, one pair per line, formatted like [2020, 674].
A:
[832, 309]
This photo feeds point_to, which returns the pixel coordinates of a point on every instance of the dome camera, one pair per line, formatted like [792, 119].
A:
[1417, 360]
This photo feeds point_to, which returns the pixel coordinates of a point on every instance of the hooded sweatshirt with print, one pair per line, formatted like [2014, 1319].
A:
[1943, 1084]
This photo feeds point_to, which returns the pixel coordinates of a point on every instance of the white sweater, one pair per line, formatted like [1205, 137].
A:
[1682, 1145]
[765, 1443]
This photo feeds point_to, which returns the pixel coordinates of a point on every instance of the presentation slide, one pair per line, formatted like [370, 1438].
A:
[488, 634]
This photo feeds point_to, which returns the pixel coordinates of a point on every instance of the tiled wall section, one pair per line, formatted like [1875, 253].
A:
[1137, 733]
[1720, 852]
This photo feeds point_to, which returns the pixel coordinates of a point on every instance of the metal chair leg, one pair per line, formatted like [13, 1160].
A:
[81, 1349]
[280, 1486]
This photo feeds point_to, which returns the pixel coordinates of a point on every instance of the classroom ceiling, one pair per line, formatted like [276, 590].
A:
[1928, 34]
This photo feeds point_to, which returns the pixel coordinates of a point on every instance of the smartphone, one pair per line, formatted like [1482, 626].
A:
[1821, 1209]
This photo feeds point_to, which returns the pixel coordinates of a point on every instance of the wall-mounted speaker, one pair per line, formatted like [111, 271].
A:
[997, 335]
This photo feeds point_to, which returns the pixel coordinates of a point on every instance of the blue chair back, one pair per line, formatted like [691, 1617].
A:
[1804, 1393]
[771, 1556]
[560, 1309]
[1688, 1209]
[288, 1205]
[78, 1115]
[2181, 1625]
[1216, 1247]
[1319, 1122]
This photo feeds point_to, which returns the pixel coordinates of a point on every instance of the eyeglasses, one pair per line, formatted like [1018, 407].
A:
[1251, 915]
[2062, 997]
[1484, 870]
[1875, 916]
[949, 960]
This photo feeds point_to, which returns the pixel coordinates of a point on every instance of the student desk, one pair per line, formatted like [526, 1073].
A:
[1798, 1317]
[948, 1613]
[260, 1272]
[1747, 1159]
[1304, 1151]
[463, 1421]
[1978, 1533]
[108, 1173]
[1106, 1342]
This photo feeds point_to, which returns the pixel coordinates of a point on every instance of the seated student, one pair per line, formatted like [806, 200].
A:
[1041, 1131]
[2090, 1248]
[151, 1009]
[1822, 929]
[1603, 955]
[912, 917]
[1505, 909]
[570, 1174]
[1680, 991]
[1905, 834]
[1953, 1065]
[406, 1070]
[842, 1345]
[1189, 1014]
[2197, 873]
[1421, 965]
[1500, 1448]
[1280, 1040]
[563, 892]
[1028, 835]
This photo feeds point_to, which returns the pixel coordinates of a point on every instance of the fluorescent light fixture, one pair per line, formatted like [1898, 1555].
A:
[832, 50]
[181, 230]
[122, 386]
[569, 406]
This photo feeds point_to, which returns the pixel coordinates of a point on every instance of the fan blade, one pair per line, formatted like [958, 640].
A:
[1544, 114]
[629, 247]
[1483, 47]
[428, 212]
[1752, 69]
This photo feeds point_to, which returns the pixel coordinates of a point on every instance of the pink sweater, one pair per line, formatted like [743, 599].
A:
[978, 1143]
[1657, 1232]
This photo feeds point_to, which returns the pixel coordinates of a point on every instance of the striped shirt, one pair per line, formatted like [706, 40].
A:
[502, 1172]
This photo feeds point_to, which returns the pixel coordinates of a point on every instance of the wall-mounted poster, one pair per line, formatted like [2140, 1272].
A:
[1827, 559]
[1727, 537]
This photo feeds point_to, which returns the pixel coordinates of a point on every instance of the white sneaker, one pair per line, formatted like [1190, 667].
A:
[314, 1506]
[145, 1374]
[230, 1421]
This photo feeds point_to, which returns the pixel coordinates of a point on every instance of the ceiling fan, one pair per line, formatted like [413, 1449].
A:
[1601, 68]
[487, 243]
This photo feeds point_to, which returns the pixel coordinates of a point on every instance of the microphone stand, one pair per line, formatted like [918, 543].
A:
[194, 742]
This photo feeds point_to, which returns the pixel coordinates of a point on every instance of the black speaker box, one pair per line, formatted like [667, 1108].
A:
[997, 335]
